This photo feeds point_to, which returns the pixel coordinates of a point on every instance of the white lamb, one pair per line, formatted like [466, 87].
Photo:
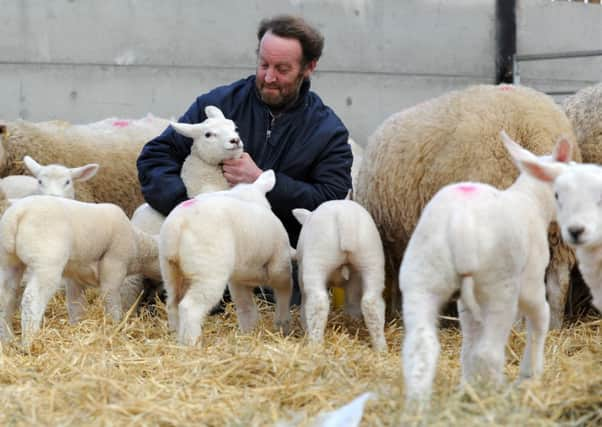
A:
[213, 140]
[227, 237]
[43, 238]
[578, 192]
[339, 244]
[52, 180]
[492, 246]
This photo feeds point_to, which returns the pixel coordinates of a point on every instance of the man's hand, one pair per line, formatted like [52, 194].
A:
[240, 170]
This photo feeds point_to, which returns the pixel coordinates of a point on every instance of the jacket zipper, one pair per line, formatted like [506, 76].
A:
[271, 123]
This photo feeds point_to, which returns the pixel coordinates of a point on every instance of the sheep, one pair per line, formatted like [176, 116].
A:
[52, 180]
[213, 140]
[577, 190]
[44, 238]
[113, 143]
[584, 110]
[492, 246]
[224, 238]
[452, 138]
[340, 239]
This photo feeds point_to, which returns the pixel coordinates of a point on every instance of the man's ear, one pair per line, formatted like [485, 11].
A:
[309, 68]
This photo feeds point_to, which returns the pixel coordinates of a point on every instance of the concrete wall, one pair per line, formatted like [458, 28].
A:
[84, 60]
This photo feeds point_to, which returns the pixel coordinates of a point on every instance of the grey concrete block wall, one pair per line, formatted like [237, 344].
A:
[84, 60]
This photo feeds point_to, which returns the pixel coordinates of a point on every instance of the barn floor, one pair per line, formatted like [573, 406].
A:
[97, 373]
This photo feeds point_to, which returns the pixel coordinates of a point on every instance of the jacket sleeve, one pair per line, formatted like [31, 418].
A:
[329, 179]
[160, 162]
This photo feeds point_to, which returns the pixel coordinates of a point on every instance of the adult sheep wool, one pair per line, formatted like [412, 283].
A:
[451, 138]
[112, 143]
[584, 110]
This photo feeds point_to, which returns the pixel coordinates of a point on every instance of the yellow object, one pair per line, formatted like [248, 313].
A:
[338, 297]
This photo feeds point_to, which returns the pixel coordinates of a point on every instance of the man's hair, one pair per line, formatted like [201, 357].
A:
[294, 27]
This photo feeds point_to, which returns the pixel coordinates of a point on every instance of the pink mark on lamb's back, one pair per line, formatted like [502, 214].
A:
[188, 203]
[121, 123]
[466, 188]
[506, 88]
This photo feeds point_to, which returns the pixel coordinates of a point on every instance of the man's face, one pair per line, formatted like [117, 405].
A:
[279, 71]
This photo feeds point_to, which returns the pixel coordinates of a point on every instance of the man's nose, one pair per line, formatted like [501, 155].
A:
[269, 76]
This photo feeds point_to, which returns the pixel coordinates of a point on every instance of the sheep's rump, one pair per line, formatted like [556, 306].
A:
[584, 110]
[451, 138]
[113, 143]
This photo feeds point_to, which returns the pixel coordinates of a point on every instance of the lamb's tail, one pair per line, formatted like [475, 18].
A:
[9, 224]
[464, 251]
[170, 266]
[346, 224]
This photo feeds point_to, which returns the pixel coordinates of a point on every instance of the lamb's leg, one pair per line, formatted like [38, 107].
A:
[315, 304]
[557, 284]
[283, 290]
[532, 303]
[76, 301]
[486, 363]
[421, 344]
[246, 310]
[131, 289]
[172, 279]
[194, 307]
[373, 306]
[10, 292]
[471, 331]
[353, 294]
[112, 273]
[41, 285]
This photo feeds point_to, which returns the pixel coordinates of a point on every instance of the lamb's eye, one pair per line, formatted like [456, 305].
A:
[208, 134]
[556, 196]
[40, 181]
[68, 182]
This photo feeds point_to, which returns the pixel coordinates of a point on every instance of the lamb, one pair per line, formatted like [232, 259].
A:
[43, 238]
[228, 237]
[112, 143]
[452, 138]
[492, 246]
[52, 180]
[340, 239]
[213, 141]
[577, 189]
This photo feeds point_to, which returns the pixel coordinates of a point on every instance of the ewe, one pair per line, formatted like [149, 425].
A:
[491, 245]
[224, 238]
[340, 239]
[43, 238]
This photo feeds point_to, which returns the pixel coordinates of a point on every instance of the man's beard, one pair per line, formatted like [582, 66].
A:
[279, 100]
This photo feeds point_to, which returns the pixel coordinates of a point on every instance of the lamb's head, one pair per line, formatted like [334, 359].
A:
[213, 140]
[58, 180]
[256, 191]
[578, 193]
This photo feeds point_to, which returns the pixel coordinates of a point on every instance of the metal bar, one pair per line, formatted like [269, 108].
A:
[558, 55]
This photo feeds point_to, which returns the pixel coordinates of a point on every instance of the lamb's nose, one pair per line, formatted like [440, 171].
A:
[235, 141]
[576, 231]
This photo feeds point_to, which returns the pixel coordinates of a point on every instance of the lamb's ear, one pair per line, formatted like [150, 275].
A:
[562, 150]
[33, 166]
[266, 181]
[542, 170]
[213, 112]
[301, 215]
[186, 129]
[84, 173]
[517, 152]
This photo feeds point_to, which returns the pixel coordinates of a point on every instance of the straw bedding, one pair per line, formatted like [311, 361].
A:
[98, 373]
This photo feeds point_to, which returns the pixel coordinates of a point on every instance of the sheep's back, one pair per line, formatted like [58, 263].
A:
[452, 138]
[584, 110]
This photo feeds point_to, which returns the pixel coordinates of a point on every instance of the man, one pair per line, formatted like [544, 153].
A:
[284, 126]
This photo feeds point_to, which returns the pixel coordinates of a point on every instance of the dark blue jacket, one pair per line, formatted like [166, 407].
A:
[306, 146]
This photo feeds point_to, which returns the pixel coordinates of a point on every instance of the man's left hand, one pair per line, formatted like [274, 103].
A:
[240, 170]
